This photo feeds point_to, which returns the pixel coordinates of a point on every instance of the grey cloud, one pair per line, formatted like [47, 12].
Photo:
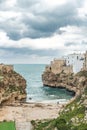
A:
[1, 1]
[3, 6]
[26, 51]
[24, 55]
[47, 23]
[84, 42]
[44, 24]
[26, 3]
[75, 44]
[12, 27]
[70, 44]
[41, 23]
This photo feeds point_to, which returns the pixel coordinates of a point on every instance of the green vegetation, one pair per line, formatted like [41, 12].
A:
[13, 89]
[80, 127]
[71, 118]
[7, 125]
[82, 73]
[1, 78]
[74, 115]
[85, 91]
[76, 112]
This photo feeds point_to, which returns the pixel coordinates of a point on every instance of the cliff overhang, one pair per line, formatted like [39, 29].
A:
[71, 82]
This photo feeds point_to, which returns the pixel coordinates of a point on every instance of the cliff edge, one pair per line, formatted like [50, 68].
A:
[63, 80]
[73, 115]
[12, 85]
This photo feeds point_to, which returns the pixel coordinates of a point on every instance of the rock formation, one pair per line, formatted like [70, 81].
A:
[12, 85]
[73, 115]
[71, 82]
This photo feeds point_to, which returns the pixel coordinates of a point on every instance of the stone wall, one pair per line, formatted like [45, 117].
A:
[56, 65]
[59, 65]
[68, 69]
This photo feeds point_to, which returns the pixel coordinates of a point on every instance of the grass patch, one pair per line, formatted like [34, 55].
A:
[7, 125]
[80, 127]
[65, 121]
[78, 112]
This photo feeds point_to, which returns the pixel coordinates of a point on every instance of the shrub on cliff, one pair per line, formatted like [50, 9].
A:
[71, 118]
[82, 73]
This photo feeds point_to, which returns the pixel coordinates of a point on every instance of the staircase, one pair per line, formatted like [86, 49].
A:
[23, 126]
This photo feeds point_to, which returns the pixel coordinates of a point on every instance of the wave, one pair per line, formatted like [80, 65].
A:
[59, 101]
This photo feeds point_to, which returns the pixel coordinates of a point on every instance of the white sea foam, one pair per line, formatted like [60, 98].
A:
[59, 101]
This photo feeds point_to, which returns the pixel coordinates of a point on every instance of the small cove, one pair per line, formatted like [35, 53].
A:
[36, 92]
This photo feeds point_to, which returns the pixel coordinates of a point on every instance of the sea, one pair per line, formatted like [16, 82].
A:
[36, 92]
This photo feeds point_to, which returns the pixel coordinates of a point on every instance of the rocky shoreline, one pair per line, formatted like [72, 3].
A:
[12, 85]
[74, 113]
[13, 90]
[70, 82]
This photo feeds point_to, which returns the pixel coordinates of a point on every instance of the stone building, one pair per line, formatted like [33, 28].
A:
[59, 65]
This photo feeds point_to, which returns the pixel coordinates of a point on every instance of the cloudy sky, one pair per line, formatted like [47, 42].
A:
[36, 31]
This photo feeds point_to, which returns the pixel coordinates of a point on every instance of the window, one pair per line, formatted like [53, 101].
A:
[77, 57]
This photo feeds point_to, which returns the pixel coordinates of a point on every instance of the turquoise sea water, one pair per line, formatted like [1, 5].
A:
[35, 90]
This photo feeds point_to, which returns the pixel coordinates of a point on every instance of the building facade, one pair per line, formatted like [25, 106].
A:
[85, 61]
[59, 65]
[76, 60]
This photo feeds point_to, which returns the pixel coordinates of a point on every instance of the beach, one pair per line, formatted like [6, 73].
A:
[30, 111]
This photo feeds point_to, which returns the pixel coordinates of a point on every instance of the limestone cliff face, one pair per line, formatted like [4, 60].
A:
[12, 86]
[73, 115]
[71, 82]
[76, 83]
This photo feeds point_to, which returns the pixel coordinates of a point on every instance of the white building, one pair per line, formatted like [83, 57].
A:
[76, 60]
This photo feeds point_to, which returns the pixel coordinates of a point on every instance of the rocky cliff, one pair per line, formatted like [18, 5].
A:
[12, 86]
[73, 116]
[71, 82]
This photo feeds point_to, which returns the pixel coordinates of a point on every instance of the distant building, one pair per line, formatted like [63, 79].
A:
[76, 60]
[59, 65]
[85, 61]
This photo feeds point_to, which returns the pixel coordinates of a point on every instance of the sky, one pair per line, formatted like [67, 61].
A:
[37, 31]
